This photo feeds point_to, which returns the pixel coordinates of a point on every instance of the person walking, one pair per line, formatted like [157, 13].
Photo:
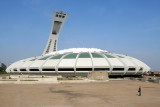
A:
[139, 90]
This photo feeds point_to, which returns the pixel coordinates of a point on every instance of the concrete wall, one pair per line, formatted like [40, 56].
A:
[98, 75]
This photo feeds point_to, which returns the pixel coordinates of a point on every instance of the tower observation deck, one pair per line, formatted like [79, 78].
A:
[58, 20]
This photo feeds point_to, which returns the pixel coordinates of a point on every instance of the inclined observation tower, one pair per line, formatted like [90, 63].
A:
[58, 20]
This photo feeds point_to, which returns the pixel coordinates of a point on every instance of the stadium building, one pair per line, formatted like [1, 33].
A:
[76, 61]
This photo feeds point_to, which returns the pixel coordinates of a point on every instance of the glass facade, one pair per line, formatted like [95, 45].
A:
[33, 59]
[108, 55]
[95, 55]
[84, 55]
[71, 56]
[44, 58]
[120, 56]
[57, 56]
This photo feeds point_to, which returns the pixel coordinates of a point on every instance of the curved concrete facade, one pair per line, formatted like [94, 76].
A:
[79, 61]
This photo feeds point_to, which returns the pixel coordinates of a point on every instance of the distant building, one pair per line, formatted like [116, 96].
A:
[2, 65]
[153, 73]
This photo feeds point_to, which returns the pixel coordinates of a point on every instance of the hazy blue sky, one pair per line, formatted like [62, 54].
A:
[130, 27]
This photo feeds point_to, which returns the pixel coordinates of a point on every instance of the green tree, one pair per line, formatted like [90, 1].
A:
[2, 71]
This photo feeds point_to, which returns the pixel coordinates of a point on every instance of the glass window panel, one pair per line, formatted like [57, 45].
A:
[95, 55]
[71, 56]
[84, 55]
[44, 58]
[57, 56]
[109, 56]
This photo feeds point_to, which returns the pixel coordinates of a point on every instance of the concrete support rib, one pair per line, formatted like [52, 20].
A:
[31, 64]
[41, 67]
[125, 66]
[137, 67]
[56, 67]
[18, 68]
[58, 20]
[23, 64]
[91, 61]
[110, 66]
[76, 63]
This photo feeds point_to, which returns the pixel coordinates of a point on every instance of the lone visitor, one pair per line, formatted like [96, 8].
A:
[139, 90]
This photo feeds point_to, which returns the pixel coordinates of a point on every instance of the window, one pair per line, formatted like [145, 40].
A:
[48, 69]
[60, 16]
[34, 69]
[71, 56]
[33, 59]
[84, 55]
[57, 57]
[44, 58]
[23, 70]
[56, 26]
[56, 15]
[48, 46]
[131, 69]
[101, 69]
[109, 56]
[55, 42]
[14, 69]
[83, 69]
[118, 69]
[141, 69]
[95, 55]
[120, 56]
[65, 69]
[63, 16]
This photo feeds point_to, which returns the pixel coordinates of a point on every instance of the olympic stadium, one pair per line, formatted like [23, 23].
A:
[76, 61]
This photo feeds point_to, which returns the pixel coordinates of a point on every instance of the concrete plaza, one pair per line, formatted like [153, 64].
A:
[119, 93]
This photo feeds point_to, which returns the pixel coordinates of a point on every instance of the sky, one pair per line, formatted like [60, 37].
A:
[129, 27]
